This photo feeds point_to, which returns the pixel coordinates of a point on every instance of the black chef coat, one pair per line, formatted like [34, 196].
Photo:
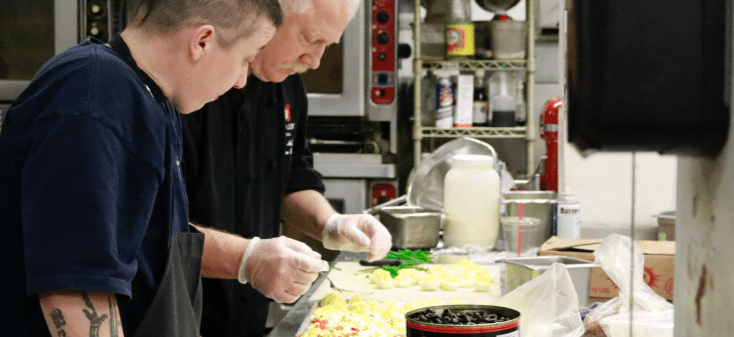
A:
[243, 153]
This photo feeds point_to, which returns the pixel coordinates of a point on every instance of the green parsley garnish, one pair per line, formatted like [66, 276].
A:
[410, 258]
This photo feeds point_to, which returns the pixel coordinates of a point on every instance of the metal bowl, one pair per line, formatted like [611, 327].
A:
[497, 5]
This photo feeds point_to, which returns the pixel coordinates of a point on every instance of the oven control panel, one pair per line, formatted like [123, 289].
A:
[382, 52]
[101, 19]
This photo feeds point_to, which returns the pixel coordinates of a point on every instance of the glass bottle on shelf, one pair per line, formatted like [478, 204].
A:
[521, 115]
[480, 106]
[428, 100]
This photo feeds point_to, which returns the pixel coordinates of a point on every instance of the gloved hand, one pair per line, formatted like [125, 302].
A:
[281, 268]
[357, 233]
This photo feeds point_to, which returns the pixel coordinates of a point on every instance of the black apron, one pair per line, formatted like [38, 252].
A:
[176, 307]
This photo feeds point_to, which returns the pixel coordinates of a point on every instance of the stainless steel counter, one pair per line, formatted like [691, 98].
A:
[290, 324]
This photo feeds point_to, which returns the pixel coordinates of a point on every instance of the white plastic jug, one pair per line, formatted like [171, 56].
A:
[471, 202]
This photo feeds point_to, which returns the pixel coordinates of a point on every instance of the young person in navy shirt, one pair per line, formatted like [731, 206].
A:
[93, 207]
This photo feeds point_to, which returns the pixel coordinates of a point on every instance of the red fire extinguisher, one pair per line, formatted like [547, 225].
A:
[549, 132]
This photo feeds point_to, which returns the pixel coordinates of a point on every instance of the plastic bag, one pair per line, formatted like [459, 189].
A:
[547, 304]
[614, 255]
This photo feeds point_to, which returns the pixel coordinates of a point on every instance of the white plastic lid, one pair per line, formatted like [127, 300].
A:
[566, 195]
[472, 159]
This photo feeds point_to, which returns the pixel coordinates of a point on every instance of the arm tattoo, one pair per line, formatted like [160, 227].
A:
[95, 320]
[59, 321]
[113, 316]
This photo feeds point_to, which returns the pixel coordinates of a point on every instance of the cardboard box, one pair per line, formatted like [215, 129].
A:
[464, 96]
[658, 270]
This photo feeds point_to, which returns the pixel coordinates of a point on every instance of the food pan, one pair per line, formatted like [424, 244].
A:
[412, 227]
[523, 269]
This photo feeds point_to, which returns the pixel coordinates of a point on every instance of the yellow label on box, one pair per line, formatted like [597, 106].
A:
[460, 40]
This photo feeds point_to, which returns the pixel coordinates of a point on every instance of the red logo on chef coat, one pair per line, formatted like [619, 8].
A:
[287, 112]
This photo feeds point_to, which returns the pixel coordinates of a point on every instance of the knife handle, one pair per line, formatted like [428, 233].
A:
[380, 263]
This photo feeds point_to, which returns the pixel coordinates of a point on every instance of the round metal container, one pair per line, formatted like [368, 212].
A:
[510, 328]
[497, 5]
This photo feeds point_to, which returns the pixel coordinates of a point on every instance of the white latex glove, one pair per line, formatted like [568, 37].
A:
[357, 233]
[281, 268]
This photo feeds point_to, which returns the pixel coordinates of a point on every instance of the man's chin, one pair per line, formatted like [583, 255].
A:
[278, 76]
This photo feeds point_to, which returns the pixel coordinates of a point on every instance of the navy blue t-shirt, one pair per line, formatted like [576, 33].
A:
[90, 186]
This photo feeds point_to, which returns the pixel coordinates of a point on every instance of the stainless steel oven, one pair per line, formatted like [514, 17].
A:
[32, 31]
[353, 109]
[358, 76]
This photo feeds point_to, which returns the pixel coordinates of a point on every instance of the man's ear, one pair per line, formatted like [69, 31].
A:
[202, 41]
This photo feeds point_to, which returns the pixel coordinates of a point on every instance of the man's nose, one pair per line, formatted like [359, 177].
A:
[313, 58]
[242, 80]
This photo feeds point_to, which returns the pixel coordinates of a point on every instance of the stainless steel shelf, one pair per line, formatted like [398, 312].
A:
[476, 132]
[509, 64]
[423, 64]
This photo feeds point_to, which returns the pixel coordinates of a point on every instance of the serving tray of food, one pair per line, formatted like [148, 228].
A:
[464, 281]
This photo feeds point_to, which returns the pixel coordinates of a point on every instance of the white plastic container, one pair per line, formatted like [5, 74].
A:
[509, 39]
[567, 216]
[471, 202]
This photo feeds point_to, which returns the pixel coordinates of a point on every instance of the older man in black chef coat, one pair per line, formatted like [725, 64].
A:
[247, 164]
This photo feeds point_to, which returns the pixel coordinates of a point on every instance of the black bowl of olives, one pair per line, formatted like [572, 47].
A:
[467, 320]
